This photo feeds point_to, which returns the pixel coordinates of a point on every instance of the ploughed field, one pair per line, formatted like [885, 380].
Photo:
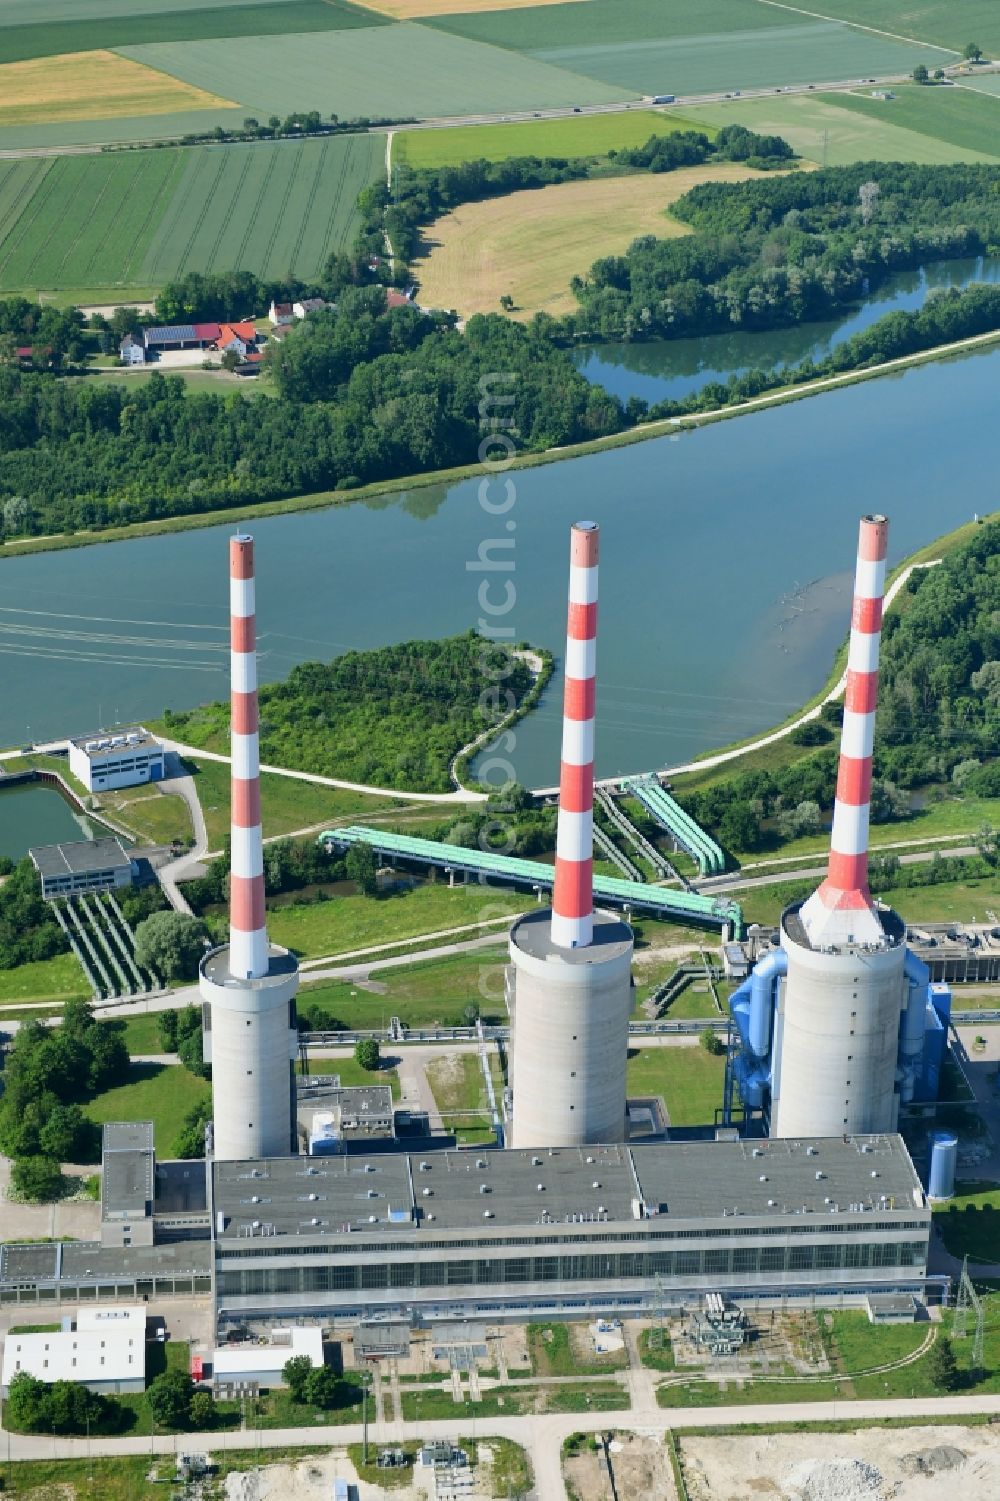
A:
[137, 219]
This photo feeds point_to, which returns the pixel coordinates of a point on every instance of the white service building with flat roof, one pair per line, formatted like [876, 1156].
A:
[105, 1352]
[265, 1364]
[125, 759]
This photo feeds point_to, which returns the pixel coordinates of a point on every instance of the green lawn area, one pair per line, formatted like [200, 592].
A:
[142, 1033]
[352, 1073]
[353, 922]
[58, 764]
[457, 1082]
[963, 816]
[154, 816]
[595, 1396]
[155, 1092]
[970, 1222]
[962, 117]
[585, 135]
[553, 1352]
[286, 804]
[688, 1078]
[958, 901]
[54, 979]
[435, 993]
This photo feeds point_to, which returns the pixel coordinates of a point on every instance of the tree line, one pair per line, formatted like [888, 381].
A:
[787, 249]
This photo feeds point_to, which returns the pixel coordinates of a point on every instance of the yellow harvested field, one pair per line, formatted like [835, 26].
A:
[413, 10]
[529, 245]
[92, 86]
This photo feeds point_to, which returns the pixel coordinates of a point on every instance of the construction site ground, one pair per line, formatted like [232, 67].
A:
[870, 1464]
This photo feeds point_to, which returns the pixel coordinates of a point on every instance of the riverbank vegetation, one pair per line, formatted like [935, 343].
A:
[937, 727]
[368, 394]
[393, 717]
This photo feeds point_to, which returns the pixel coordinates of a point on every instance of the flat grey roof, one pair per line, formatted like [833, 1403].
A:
[97, 746]
[462, 1189]
[533, 935]
[181, 1187]
[79, 859]
[127, 1168]
[326, 1093]
[87, 1261]
[127, 1136]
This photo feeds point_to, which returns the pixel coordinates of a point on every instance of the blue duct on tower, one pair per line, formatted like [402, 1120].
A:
[752, 1009]
[763, 985]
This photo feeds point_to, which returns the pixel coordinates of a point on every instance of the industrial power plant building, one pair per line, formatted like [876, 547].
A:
[818, 1200]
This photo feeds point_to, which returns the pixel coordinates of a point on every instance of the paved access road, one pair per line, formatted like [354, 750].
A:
[541, 1436]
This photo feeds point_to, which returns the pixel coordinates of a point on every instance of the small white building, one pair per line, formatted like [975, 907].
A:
[309, 305]
[105, 1352]
[132, 350]
[263, 1364]
[125, 759]
[280, 313]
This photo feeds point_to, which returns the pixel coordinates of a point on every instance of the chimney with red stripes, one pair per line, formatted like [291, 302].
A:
[569, 983]
[841, 909]
[248, 956]
[250, 1035]
[837, 1067]
[573, 894]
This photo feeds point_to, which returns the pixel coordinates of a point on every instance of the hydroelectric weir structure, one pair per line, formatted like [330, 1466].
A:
[838, 1025]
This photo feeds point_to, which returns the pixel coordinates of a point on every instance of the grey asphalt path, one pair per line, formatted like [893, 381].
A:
[183, 868]
[542, 1436]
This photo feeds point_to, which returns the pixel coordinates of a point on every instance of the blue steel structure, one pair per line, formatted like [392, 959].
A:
[754, 1061]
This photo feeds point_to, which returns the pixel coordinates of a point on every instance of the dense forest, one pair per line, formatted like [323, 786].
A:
[28, 928]
[938, 721]
[94, 454]
[394, 717]
[788, 248]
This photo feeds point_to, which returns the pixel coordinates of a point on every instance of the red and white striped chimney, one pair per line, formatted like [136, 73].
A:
[841, 910]
[573, 893]
[248, 947]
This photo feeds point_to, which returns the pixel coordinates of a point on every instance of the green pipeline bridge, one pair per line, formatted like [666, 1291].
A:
[678, 824]
[658, 901]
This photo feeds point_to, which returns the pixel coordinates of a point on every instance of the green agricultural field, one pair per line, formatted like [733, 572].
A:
[576, 135]
[537, 27]
[137, 219]
[821, 129]
[939, 21]
[397, 71]
[688, 48]
[801, 53]
[962, 117]
[175, 24]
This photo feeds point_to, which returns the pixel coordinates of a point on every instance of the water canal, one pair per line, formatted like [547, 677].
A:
[724, 581]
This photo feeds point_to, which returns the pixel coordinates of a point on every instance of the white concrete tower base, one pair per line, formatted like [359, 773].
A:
[837, 1034]
[251, 1042]
[569, 1045]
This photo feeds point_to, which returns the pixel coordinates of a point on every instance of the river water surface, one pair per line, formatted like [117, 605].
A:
[725, 574]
